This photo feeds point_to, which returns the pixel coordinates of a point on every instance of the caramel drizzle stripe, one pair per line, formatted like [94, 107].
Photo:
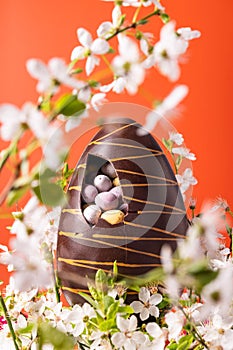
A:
[83, 165]
[105, 263]
[149, 184]
[72, 211]
[134, 157]
[155, 229]
[74, 235]
[73, 263]
[129, 146]
[114, 131]
[155, 203]
[77, 291]
[97, 235]
[146, 175]
[140, 212]
[76, 188]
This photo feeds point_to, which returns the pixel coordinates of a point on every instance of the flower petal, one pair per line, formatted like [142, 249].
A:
[144, 294]
[78, 53]
[155, 299]
[144, 314]
[137, 306]
[99, 46]
[84, 37]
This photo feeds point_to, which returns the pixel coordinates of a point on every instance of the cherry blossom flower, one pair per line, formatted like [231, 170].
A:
[176, 137]
[14, 119]
[117, 85]
[167, 52]
[175, 320]
[106, 29]
[128, 337]
[158, 335]
[49, 77]
[100, 341]
[217, 332]
[137, 3]
[127, 65]
[188, 34]
[184, 153]
[30, 270]
[186, 179]
[217, 294]
[165, 109]
[89, 49]
[31, 219]
[147, 305]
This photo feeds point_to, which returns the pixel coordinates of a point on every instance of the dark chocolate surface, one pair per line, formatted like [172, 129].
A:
[156, 210]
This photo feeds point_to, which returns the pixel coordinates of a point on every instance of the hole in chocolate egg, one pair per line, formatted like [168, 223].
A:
[101, 193]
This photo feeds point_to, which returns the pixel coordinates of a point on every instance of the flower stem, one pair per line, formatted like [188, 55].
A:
[56, 285]
[135, 24]
[8, 319]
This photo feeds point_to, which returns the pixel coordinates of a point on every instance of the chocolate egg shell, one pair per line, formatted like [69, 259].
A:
[156, 213]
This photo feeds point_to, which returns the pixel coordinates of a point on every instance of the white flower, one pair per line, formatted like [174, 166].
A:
[156, 332]
[137, 3]
[188, 34]
[186, 179]
[13, 119]
[217, 332]
[117, 85]
[175, 320]
[106, 29]
[50, 76]
[89, 49]
[97, 100]
[184, 152]
[176, 137]
[31, 271]
[147, 305]
[218, 294]
[100, 341]
[127, 65]
[128, 337]
[144, 42]
[165, 109]
[167, 51]
[32, 219]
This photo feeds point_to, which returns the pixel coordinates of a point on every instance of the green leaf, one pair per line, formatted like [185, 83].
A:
[101, 280]
[165, 18]
[126, 309]
[69, 105]
[27, 329]
[50, 335]
[15, 194]
[88, 298]
[108, 301]
[167, 143]
[185, 342]
[49, 194]
[107, 325]
[142, 21]
[112, 310]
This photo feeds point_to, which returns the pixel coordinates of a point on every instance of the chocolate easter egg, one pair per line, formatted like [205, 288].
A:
[155, 212]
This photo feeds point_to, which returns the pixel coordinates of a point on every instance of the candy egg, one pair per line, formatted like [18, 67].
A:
[113, 217]
[102, 183]
[89, 193]
[106, 201]
[116, 181]
[92, 214]
[117, 191]
[109, 170]
[124, 207]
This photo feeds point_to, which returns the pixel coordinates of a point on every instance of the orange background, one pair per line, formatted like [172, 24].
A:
[45, 29]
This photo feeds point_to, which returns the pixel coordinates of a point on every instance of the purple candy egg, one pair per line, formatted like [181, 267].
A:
[106, 201]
